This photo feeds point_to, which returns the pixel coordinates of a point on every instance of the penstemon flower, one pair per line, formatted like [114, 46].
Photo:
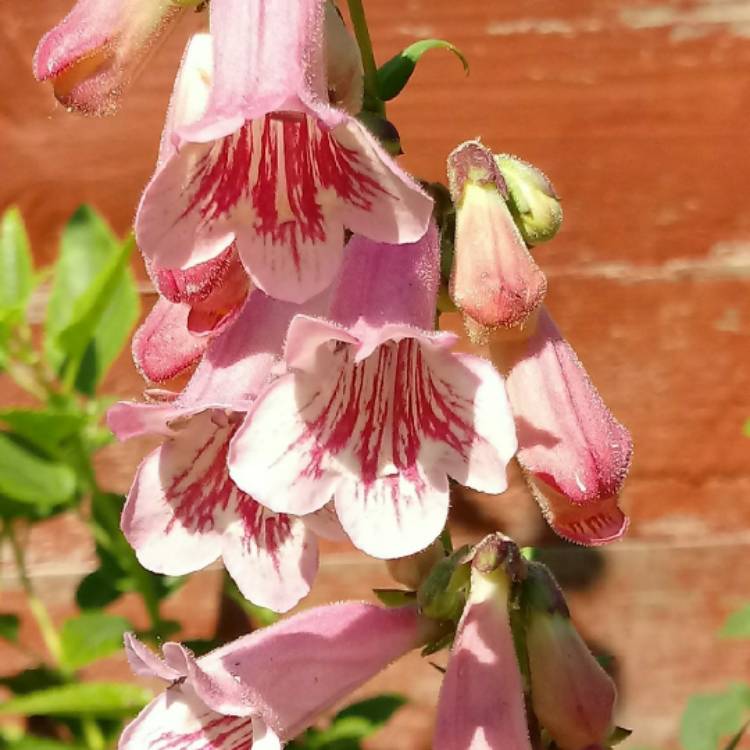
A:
[98, 48]
[183, 510]
[481, 705]
[271, 165]
[575, 453]
[376, 410]
[267, 687]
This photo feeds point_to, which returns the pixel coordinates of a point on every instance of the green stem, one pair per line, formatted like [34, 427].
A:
[93, 733]
[36, 605]
[373, 101]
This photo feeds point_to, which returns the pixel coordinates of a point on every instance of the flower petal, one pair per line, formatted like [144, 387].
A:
[163, 347]
[178, 720]
[145, 663]
[394, 516]
[273, 558]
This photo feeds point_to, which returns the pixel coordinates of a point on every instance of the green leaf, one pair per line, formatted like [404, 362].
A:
[710, 716]
[95, 699]
[30, 680]
[33, 742]
[9, 626]
[45, 429]
[28, 478]
[746, 429]
[93, 304]
[395, 74]
[737, 624]
[376, 711]
[735, 741]
[91, 636]
[16, 270]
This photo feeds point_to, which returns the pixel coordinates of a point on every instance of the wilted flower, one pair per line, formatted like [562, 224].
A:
[267, 687]
[376, 410]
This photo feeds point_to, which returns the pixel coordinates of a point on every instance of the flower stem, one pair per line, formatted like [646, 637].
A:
[373, 101]
[36, 605]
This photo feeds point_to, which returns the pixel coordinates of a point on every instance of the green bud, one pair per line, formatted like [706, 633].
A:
[441, 595]
[532, 199]
[384, 130]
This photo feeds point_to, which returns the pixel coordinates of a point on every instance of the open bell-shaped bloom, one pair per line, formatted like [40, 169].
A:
[481, 704]
[576, 455]
[193, 306]
[376, 410]
[183, 510]
[98, 48]
[572, 696]
[494, 281]
[271, 165]
[267, 687]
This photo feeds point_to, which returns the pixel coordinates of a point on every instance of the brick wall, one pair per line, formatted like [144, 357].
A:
[638, 111]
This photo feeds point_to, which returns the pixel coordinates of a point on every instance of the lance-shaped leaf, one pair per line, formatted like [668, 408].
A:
[395, 74]
[91, 636]
[16, 271]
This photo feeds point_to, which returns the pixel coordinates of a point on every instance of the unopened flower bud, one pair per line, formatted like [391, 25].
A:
[343, 63]
[571, 694]
[495, 281]
[98, 48]
[575, 453]
[413, 569]
[441, 596]
[534, 204]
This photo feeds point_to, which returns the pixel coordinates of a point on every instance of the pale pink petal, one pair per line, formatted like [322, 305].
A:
[388, 284]
[267, 458]
[196, 284]
[167, 518]
[145, 663]
[292, 671]
[394, 516]
[98, 48]
[481, 705]
[178, 720]
[472, 419]
[129, 419]
[163, 347]
[343, 63]
[325, 523]
[381, 201]
[272, 558]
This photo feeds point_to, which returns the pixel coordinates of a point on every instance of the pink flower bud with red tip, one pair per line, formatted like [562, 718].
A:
[494, 281]
[481, 703]
[575, 453]
[571, 694]
[99, 47]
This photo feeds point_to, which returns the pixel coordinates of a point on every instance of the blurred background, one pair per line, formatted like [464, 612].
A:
[638, 112]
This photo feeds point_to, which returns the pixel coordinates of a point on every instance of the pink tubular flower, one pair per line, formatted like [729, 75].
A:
[183, 510]
[194, 305]
[267, 687]
[495, 281]
[271, 165]
[481, 705]
[376, 410]
[575, 453]
[96, 50]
